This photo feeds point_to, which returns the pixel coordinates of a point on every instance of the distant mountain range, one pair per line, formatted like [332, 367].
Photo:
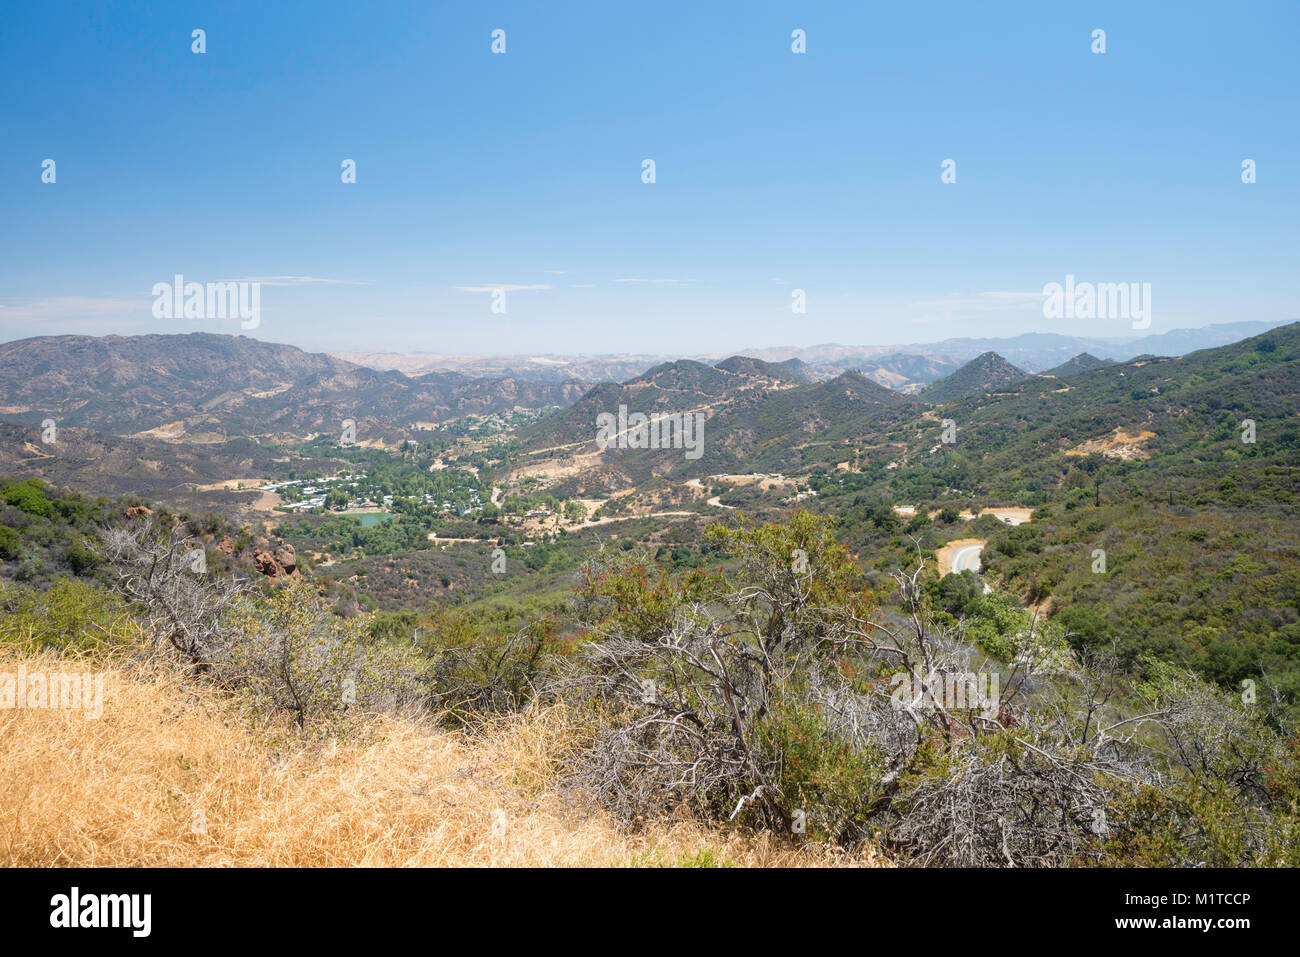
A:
[141, 412]
[906, 368]
[755, 421]
[1031, 351]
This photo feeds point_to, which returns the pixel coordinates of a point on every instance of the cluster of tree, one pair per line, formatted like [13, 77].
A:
[44, 532]
[1213, 589]
[344, 535]
[404, 473]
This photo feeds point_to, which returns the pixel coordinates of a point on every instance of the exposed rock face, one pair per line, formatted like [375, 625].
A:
[226, 546]
[138, 511]
[286, 557]
[275, 559]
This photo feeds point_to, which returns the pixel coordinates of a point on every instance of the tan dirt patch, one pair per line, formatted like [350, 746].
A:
[1118, 445]
[248, 483]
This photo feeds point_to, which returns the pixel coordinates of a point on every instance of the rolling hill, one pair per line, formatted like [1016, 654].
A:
[203, 387]
[984, 374]
[1083, 362]
[1172, 426]
[752, 420]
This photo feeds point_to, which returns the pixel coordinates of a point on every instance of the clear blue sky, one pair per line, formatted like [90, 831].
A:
[775, 170]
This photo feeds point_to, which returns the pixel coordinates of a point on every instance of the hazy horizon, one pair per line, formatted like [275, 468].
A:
[880, 348]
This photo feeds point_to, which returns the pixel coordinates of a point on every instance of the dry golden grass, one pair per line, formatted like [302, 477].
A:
[125, 789]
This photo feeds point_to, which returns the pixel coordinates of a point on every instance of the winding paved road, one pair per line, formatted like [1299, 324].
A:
[967, 558]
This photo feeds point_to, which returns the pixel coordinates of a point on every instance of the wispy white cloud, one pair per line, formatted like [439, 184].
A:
[656, 281]
[582, 285]
[504, 287]
[297, 281]
[556, 272]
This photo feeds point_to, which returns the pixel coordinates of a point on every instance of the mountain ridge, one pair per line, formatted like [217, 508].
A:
[205, 384]
[1035, 352]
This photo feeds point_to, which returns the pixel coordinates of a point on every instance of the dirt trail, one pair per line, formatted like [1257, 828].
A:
[594, 522]
[715, 501]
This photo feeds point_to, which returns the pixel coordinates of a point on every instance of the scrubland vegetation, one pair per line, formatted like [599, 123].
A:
[747, 713]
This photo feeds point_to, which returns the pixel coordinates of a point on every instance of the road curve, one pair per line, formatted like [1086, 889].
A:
[967, 558]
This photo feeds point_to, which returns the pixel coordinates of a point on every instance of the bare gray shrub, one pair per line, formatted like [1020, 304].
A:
[1032, 782]
[180, 609]
[287, 653]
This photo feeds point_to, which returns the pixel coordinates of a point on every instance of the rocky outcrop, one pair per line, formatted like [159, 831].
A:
[286, 558]
[275, 559]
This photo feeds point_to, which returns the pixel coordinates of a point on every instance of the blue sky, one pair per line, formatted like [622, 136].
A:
[775, 171]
